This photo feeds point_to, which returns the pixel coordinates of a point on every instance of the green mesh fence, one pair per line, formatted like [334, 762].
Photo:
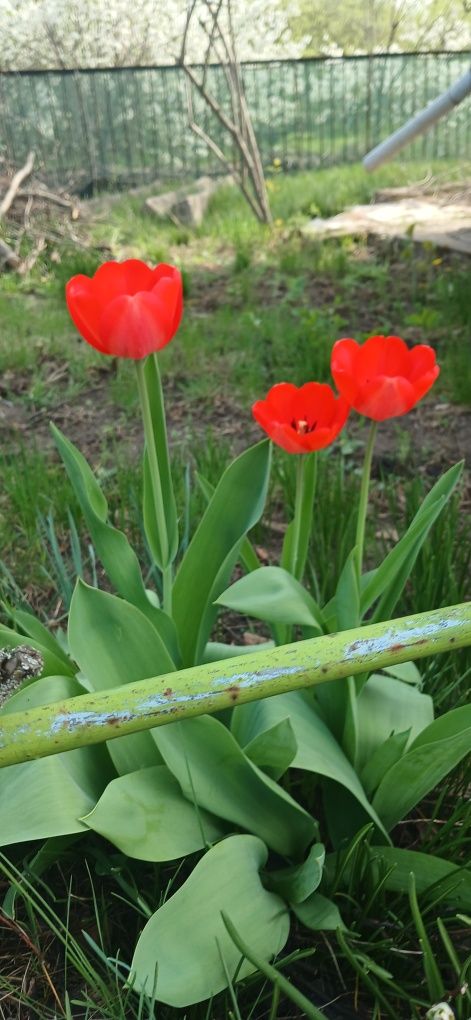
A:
[104, 128]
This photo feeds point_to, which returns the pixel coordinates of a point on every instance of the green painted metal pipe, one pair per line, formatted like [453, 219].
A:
[92, 718]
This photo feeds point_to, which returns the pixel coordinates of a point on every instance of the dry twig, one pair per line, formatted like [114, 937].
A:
[15, 184]
[247, 170]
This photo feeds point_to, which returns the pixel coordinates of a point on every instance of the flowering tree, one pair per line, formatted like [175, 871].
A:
[88, 33]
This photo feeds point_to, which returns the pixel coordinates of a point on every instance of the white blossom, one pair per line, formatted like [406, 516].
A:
[38, 34]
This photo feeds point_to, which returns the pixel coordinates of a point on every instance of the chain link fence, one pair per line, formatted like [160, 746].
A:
[102, 128]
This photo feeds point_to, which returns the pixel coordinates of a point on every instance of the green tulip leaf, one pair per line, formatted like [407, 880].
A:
[405, 671]
[45, 798]
[273, 594]
[213, 771]
[382, 759]
[33, 628]
[117, 556]
[274, 749]
[317, 749]
[146, 816]
[385, 706]
[387, 582]
[296, 883]
[184, 954]
[432, 755]
[115, 644]
[204, 573]
[217, 650]
[433, 875]
[159, 427]
[318, 913]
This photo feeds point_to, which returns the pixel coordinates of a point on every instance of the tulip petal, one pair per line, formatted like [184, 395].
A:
[382, 355]
[168, 289]
[343, 367]
[422, 361]
[133, 327]
[389, 397]
[84, 310]
[281, 399]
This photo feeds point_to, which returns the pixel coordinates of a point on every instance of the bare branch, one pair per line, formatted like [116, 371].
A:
[16, 183]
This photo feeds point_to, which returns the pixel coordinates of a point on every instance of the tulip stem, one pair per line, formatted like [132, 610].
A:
[156, 485]
[364, 490]
[306, 470]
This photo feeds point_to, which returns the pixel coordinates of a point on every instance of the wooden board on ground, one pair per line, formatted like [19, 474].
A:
[447, 225]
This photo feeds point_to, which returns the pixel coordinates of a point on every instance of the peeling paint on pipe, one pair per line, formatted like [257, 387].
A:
[93, 718]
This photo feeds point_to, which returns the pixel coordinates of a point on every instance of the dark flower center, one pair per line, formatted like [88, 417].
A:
[302, 427]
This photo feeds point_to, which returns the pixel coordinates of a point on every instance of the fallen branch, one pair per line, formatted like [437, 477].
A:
[33, 256]
[8, 256]
[51, 196]
[15, 184]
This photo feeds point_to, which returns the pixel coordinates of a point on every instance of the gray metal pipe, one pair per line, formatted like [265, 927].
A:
[418, 124]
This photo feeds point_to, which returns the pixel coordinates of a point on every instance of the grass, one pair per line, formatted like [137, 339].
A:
[261, 305]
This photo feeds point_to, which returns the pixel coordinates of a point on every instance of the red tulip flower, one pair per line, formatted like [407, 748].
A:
[127, 309]
[383, 378]
[301, 419]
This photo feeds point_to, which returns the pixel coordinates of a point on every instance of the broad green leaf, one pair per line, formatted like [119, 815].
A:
[53, 664]
[217, 650]
[112, 641]
[436, 751]
[115, 644]
[274, 750]
[347, 595]
[247, 553]
[44, 798]
[431, 873]
[318, 913]
[382, 759]
[146, 816]
[385, 706]
[184, 954]
[154, 391]
[338, 698]
[389, 578]
[448, 725]
[272, 594]
[317, 749]
[33, 627]
[213, 771]
[403, 555]
[405, 671]
[343, 814]
[117, 556]
[235, 507]
[297, 882]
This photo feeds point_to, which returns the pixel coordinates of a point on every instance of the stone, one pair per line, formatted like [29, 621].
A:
[186, 206]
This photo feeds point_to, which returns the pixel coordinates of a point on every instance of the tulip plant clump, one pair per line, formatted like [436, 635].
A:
[217, 786]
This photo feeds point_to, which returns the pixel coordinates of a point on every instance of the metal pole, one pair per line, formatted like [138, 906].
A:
[93, 718]
[385, 151]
